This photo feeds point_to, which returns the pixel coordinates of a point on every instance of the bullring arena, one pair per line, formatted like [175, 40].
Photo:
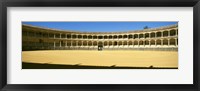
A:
[147, 48]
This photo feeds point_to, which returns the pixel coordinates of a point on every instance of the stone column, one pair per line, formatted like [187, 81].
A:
[161, 42]
[168, 33]
[54, 36]
[60, 44]
[168, 42]
[54, 44]
[65, 43]
[161, 34]
[155, 43]
[60, 35]
[149, 43]
[155, 34]
[175, 41]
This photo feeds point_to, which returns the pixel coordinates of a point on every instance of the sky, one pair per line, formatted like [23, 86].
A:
[99, 26]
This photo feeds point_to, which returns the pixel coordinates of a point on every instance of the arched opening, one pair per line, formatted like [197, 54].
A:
[140, 42]
[165, 42]
[110, 37]
[110, 43]
[90, 37]
[141, 35]
[158, 34]
[115, 36]
[73, 36]
[130, 43]
[79, 36]
[100, 37]
[84, 36]
[158, 42]
[120, 43]
[125, 43]
[146, 35]
[120, 36]
[105, 43]
[146, 42]
[90, 43]
[94, 37]
[79, 43]
[125, 36]
[153, 35]
[68, 36]
[105, 37]
[135, 36]
[165, 33]
[172, 32]
[130, 36]
[73, 43]
[172, 42]
[152, 42]
[135, 42]
[84, 43]
[94, 43]
[115, 43]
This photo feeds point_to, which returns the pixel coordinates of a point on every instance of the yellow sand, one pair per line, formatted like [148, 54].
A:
[103, 58]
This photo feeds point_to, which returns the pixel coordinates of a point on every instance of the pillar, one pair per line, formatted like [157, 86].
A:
[175, 41]
[54, 36]
[65, 43]
[54, 44]
[161, 42]
[155, 43]
[168, 33]
[60, 44]
[60, 35]
[161, 34]
[168, 42]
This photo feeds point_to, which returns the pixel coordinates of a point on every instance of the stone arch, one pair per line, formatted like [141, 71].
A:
[136, 36]
[146, 35]
[172, 42]
[110, 43]
[125, 36]
[158, 42]
[90, 37]
[84, 43]
[130, 36]
[115, 36]
[141, 42]
[158, 34]
[89, 43]
[165, 42]
[120, 36]
[146, 42]
[135, 42]
[85, 36]
[172, 32]
[125, 43]
[105, 37]
[153, 35]
[110, 37]
[165, 33]
[120, 43]
[105, 43]
[141, 35]
[152, 42]
[79, 43]
[115, 43]
[79, 36]
[130, 43]
[94, 43]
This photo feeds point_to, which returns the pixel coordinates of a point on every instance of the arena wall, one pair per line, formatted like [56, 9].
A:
[38, 38]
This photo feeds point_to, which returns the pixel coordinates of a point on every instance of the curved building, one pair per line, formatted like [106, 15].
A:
[162, 38]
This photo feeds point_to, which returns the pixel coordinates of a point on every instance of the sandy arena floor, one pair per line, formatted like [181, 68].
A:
[103, 58]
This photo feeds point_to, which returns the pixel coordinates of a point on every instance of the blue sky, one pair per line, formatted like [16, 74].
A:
[99, 26]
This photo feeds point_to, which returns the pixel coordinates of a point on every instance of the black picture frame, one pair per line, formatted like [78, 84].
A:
[99, 3]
